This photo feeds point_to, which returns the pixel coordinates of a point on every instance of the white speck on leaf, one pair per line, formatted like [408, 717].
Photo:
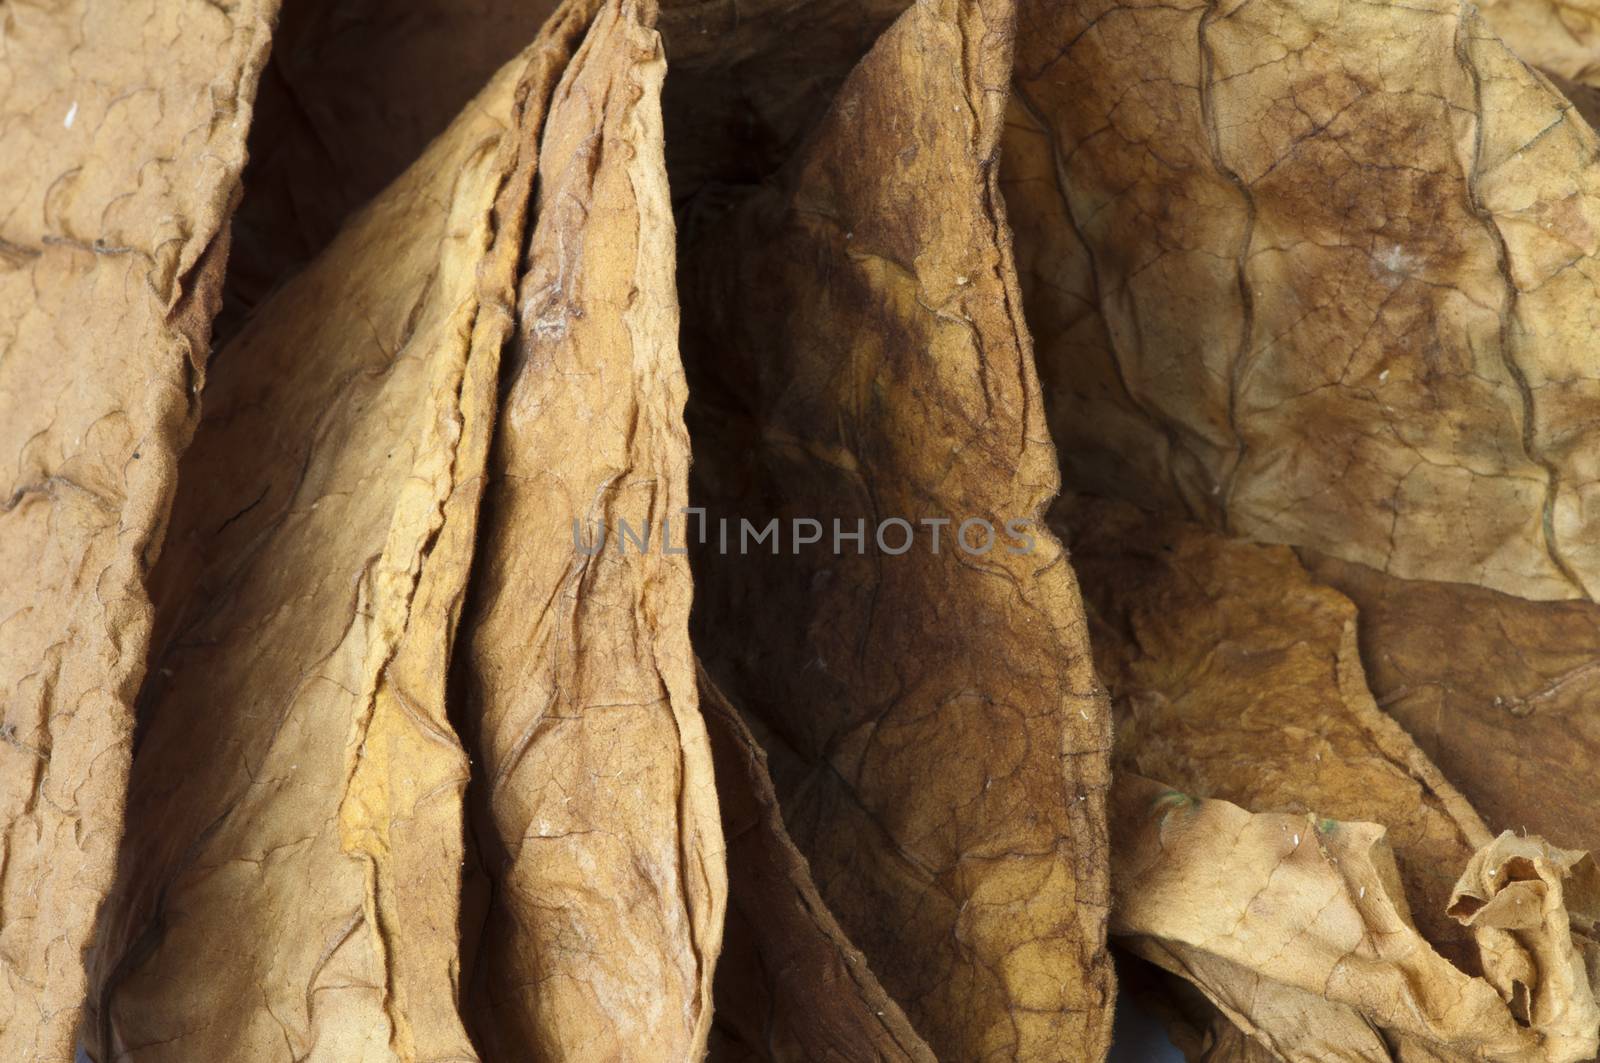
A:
[1396, 263]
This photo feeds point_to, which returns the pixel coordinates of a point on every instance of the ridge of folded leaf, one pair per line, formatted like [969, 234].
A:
[855, 350]
[594, 806]
[290, 878]
[748, 79]
[790, 986]
[353, 93]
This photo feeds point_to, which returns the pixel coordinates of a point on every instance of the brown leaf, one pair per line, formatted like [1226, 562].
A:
[289, 882]
[1498, 691]
[1329, 906]
[856, 354]
[750, 78]
[790, 985]
[1236, 676]
[1307, 944]
[1314, 288]
[1560, 37]
[594, 803]
[121, 142]
[354, 92]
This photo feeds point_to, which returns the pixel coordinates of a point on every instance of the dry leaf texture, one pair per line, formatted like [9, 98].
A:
[1237, 681]
[1560, 37]
[1295, 927]
[289, 885]
[856, 353]
[1498, 691]
[353, 92]
[1315, 287]
[750, 78]
[596, 811]
[1237, 676]
[790, 986]
[121, 141]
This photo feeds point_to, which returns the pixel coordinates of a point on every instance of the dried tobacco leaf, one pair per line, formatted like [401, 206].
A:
[1315, 288]
[1585, 98]
[1296, 927]
[1194, 1025]
[1498, 691]
[353, 93]
[749, 78]
[1532, 908]
[1236, 676]
[855, 350]
[121, 142]
[595, 805]
[1560, 37]
[790, 985]
[1329, 906]
[290, 877]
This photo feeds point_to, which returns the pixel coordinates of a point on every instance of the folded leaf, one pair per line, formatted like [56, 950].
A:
[1236, 676]
[1533, 908]
[1500, 692]
[1560, 37]
[750, 78]
[856, 354]
[1294, 926]
[355, 91]
[1328, 909]
[790, 985]
[1313, 288]
[121, 142]
[595, 805]
[289, 883]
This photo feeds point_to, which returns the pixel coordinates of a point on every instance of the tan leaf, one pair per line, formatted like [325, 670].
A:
[1560, 37]
[1315, 288]
[856, 354]
[290, 881]
[1329, 908]
[790, 985]
[1309, 946]
[595, 805]
[121, 142]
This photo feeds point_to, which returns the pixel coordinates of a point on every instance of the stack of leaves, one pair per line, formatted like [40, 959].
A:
[798, 530]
